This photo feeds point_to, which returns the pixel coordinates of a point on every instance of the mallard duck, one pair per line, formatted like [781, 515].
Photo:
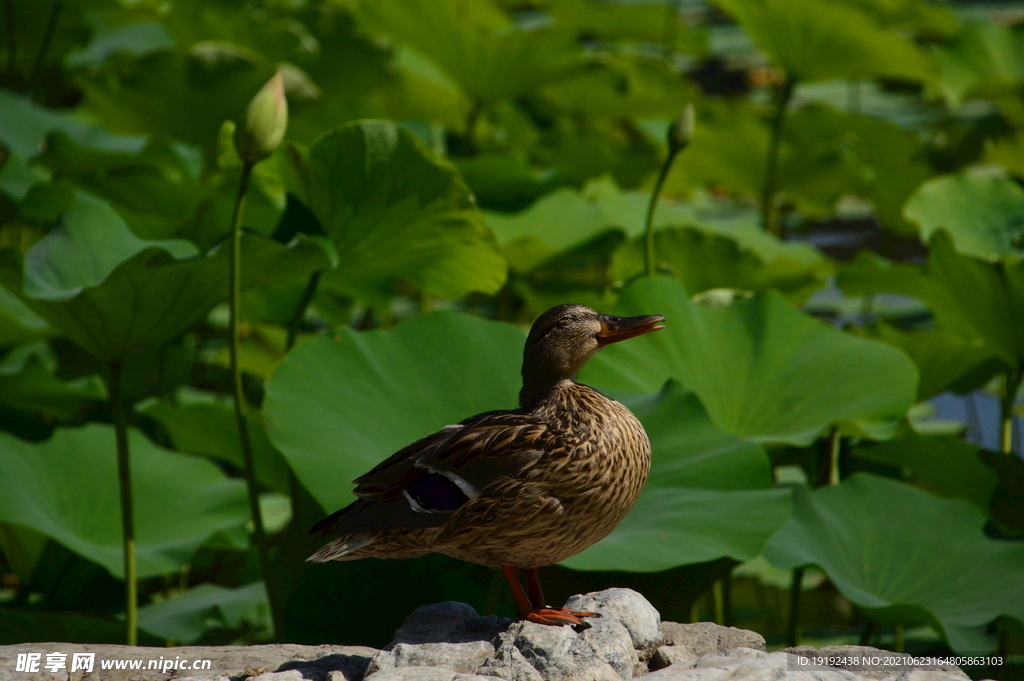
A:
[517, 489]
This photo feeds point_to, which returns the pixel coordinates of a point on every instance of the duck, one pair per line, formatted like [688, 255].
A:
[517, 489]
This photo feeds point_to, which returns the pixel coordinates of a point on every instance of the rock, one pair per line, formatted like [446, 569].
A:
[448, 622]
[464, 658]
[552, 654]
[448, 635]
[290, 675]
[313, 663]
[666, 656]
[744, 664]
[428, 674]
[874, 671]
[629, 609]
[690, 641]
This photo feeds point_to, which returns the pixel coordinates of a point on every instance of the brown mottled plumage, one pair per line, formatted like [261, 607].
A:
[515, 489]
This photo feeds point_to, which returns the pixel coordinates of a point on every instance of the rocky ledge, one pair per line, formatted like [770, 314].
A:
[451, 642]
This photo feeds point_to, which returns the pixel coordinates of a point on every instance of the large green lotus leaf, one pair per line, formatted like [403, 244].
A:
[763, 370]
[566, 219]
[34, 388]
[623, 84]
[115, 294]
[66, 487]
[702, 261]
[912, 16]
[26, 125]
[980, 301]
[395, 209]
[185, 618]
[821, 40]
[155, 189]
[984, 213]
[336, 408]
[944, 359]
[209, 428]
[824, 154]
[650, 22]
[872, 536]
[90, 241]
[945, 465]
[709, 494]
[504, 183]
[18, 323]
[477, 46]
[986, 57]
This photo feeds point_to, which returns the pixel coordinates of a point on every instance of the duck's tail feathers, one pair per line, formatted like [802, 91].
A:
[343, 548]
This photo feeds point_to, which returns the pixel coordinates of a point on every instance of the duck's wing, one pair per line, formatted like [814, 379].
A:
[423, 484]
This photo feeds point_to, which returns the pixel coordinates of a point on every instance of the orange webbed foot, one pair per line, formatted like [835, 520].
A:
[560, 616]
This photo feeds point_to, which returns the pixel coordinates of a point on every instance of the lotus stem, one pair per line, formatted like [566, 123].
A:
[650, 264]
[300, 309]
[1010, 385]
[51, 28]
[834, 450]
[793, 625]
[124, 480]
[898, 636]
[234, 306]
[719, 599]
[771, 171]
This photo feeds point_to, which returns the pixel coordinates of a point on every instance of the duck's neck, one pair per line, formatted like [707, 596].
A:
[539, 388]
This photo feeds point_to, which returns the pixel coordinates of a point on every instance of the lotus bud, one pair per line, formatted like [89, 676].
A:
[681, 130]
[265, 123]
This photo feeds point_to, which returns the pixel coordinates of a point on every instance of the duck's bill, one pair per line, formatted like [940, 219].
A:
[615, 329]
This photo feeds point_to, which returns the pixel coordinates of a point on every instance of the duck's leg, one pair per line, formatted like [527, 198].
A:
[532, 607]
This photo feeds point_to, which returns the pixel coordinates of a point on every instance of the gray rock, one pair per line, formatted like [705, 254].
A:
[448, 622]
[556, 653]
[427, 674]
[612, 643]
[875, 672]
[666, 656]
[690, 641]
[744, 664]
[626, 607]
[930, 675]
[311, 662]
[464, 658]
[290, 675]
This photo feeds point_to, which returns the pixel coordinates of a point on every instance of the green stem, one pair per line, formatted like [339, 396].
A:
[472, 117]
[793, 625]
[727, 599]
[124, 480]
[771, 171]
[834, 450]
[300, 309]
[51, 27]
[1010, 385]
[898, 636]
[717, 591]
[650, 265]
[234, 307]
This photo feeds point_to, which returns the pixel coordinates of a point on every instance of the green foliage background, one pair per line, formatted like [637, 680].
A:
[840, 243]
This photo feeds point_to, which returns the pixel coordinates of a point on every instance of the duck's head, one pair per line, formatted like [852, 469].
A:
[565, 337]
